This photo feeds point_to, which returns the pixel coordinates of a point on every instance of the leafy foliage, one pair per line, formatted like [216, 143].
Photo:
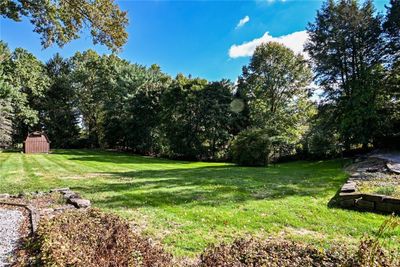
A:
[5, 123]
[61, 21]
[58, 114]
[5, 100]
[197, 117]
[251, 147]
[26, 80]
[391, 27]
[92, 100]
[275, 86]
[346, 48]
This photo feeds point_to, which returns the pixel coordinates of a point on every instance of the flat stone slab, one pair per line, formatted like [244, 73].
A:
[79, 202]
[394, 167]
[349, 187]
[10, 220]
[393, 158]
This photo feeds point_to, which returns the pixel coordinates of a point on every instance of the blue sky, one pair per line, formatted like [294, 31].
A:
[190, 37]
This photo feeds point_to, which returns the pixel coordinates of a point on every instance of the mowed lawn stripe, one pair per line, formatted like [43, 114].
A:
[188, 205]
[11, 171]
[49, 167]
[70, 168]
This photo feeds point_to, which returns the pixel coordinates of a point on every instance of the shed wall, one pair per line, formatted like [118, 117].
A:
[37, 144]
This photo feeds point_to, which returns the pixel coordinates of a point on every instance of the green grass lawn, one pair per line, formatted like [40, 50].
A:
[188, 205]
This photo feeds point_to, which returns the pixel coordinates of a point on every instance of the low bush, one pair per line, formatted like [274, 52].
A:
[251, 148]
[272, 253]
[253, 252]
[94, 238]
[90, 238]
[281, 253]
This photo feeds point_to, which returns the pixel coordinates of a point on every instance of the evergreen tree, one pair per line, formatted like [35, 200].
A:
[58, 111]
[346, 48]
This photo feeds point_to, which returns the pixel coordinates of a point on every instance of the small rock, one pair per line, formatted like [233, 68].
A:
[64, 207]
[372, 169]
[70, 194]
[46, 211]
[356, 175]
[4, 195]
[79, 202]
[39, 193]
[62, 190]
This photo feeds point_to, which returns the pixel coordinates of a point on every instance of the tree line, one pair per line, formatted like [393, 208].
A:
[103, 101]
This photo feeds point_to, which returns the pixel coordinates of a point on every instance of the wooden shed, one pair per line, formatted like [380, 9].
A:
[37, 142]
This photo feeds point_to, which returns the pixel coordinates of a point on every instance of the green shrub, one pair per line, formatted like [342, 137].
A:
[90, 238]
[322, 143]
[251, 148]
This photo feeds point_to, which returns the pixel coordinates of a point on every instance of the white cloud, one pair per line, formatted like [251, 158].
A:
[271, 1]
[243, 21]
[294, 41]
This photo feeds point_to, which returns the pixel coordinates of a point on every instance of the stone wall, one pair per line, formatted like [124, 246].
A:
[370, 202]
[349, 197]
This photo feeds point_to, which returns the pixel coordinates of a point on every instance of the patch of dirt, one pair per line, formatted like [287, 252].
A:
[301, 232]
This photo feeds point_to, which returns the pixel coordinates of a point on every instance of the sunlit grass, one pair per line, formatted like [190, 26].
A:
[188, 205]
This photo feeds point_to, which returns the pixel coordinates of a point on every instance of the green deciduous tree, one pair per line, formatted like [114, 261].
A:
[58, 111]
[27, 80]
[197, 117]
[276, 87]
[251, 147]
[5, 100]
[5, 123]
[346, 48]
[144, 112]
[61, 21]
[93, 79]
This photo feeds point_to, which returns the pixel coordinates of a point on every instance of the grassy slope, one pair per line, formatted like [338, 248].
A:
[189, 205]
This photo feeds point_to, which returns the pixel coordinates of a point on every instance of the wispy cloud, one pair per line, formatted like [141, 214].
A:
[243, 21]
[271, 1]
[294, 41]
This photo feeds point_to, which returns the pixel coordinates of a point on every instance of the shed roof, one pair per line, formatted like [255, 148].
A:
[37, 134]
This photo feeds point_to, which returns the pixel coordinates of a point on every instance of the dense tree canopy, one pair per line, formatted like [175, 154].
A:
[103, 101]
[347, 50]
[276, 87]
[25, 79]
[391, 27]
[5, 100]
[197, 117]
[58, 113]
[61, 21]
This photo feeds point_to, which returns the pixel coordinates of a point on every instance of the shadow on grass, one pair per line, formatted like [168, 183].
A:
[216, 185]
